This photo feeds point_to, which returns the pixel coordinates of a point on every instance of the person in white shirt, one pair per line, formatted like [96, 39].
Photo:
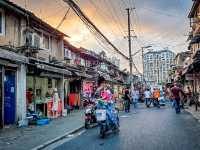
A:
[147, 97]
[135, 97]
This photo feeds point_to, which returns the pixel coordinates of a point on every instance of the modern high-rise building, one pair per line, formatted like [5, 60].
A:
[157, 65]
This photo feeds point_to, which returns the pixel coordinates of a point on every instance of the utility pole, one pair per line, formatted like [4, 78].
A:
[129, 42]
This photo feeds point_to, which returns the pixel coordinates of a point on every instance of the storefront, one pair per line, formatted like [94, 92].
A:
[8, 95]
[77, 86]
[191, 74]
[11, 88]
[75, 93]
[45, 90]
[41, 101]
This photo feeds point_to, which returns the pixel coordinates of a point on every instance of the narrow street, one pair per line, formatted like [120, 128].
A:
[148, 129]
[66, 65]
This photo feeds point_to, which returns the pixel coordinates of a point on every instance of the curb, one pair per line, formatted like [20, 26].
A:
[57, 138]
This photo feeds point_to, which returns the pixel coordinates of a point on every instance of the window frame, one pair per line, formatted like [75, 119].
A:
[3, 25]
[49, 39]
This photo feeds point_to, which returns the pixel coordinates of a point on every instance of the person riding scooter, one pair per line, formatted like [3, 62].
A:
[107, 117]
[156, 96]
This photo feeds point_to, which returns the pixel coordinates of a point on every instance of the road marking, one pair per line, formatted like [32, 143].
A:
[124, 116]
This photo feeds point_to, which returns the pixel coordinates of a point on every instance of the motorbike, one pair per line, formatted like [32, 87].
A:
[90, 116]
[108, 119]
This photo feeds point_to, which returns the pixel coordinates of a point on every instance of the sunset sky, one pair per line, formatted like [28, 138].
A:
[160, 23]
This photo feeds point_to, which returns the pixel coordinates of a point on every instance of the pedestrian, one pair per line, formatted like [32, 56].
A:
[176, 91]
[189, 96]
[170, 95]
[147, 97]
[127, 100]
[156, 96]
[135, 94]
[183, 98]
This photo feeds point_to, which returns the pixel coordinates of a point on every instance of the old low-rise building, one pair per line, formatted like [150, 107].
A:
[37, 62]
[192, 70]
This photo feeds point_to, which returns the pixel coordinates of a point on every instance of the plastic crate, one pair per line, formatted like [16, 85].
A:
[42, 122]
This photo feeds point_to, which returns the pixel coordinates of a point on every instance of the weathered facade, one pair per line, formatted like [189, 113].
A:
[192, 71]
[36, 61]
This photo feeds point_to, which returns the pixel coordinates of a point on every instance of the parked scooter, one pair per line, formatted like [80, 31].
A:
[90, 116]
[107, 118]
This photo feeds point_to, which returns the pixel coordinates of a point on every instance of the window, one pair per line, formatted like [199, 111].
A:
[2, 22]
[82, 62]
[36, 41]
[46, 41]
[68, 53]
[151, 57]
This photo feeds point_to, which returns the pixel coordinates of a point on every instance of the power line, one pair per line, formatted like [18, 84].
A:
[104, 15]
[63, 19]
[93, 27]
[115, 16]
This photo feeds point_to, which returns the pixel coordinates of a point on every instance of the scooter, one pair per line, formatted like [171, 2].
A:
[90, 116]
[108, 120]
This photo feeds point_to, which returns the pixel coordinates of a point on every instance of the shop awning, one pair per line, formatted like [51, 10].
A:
[54, 69]
[87, 76]
[81, 74]
[51, 75]
[12, 56]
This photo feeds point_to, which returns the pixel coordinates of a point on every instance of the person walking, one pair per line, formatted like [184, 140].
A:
[135, 97]
[176, 92]
[127, 100]
[147, 97]
[189, 96]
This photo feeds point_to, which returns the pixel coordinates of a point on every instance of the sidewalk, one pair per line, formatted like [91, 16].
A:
[30, 137]
[193, 112]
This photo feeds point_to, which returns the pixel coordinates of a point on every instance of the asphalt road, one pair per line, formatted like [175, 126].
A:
[148, 129]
